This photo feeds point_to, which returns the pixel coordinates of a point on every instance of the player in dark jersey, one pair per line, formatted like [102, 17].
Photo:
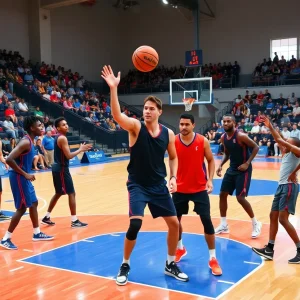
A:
[20, 160]
[62, 179]
[238, 175]
[146, 181]
[2, 215]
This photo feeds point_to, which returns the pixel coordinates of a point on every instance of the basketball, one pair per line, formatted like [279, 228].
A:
[145, 58]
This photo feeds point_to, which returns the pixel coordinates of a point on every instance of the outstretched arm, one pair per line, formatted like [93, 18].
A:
[128, 124]
[64, 146]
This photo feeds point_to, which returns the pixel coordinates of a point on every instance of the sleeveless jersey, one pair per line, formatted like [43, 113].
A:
[191, 174]
[288, 165]
[60, 160]
[239, 153]
[24, 161]
[146, 166]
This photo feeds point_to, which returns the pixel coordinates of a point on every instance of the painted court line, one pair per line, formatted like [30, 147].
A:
[12, 270]
[250, 262]
[87, 241]
[27, 250]
[114, 234]
[228, 282]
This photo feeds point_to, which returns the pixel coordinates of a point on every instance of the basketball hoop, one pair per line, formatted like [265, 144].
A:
[188, 103]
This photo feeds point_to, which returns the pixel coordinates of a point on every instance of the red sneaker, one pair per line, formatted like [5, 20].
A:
[214, 266]
[180, 253]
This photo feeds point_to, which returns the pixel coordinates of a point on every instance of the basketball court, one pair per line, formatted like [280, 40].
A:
[83, 263]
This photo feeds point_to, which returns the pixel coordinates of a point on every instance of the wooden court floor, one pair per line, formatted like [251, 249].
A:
[102, 201]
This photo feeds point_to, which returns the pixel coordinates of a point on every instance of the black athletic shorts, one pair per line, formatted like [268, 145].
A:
[239, 182]
[63, 182]
[200, 199]
[157, 197]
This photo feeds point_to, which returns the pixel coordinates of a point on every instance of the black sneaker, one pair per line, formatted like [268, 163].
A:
[4, 217]
[77, 224]
[296, 259]
[173, 270]
[122, 276]
[265, 252]
[47, 221]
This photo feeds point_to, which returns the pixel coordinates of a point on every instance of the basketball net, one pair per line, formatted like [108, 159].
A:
[188, 103]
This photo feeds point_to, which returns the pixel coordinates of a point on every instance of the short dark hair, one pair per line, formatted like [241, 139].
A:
[58, 120]
[296, 140]
[30, 121]
[230, 116]
[188, 116]
[155, 100]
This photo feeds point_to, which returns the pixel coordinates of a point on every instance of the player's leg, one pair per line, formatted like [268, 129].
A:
[242, 185]
[227, 188]
[181, 202]
[2, 215]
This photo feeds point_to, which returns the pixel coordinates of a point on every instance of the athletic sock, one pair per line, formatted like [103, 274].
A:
[223, 221]
[74, 218]
[254, 221]
[48, 214]
[271, 244]
[36, 230]
[126, 261]
[170, 259]
[180, 245]
[7, 236]
[298, 247]
[212, 253]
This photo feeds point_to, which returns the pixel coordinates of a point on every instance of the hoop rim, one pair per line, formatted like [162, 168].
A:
[188, 100]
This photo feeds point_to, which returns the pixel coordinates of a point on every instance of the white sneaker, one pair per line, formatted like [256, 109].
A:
[256, 230]
[222, 229]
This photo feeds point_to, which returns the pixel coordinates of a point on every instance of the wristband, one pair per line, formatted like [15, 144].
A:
[174, 177]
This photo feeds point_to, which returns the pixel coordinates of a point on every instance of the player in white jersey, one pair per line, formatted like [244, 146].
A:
[285, 198]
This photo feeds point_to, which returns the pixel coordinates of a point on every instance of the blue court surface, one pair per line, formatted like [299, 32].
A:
[10, 213]
[102, 255]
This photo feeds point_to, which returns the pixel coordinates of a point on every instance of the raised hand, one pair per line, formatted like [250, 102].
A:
[85, 147]
[265, 120]
[109, 77]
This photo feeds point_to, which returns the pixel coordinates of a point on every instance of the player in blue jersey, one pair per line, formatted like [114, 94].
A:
[146, 184]
[61, 175]
[20, 160]
[238, 176]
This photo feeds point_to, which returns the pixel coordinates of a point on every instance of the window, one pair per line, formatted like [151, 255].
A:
[285, 47]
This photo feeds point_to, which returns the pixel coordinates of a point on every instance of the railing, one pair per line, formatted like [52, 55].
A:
[113, 139]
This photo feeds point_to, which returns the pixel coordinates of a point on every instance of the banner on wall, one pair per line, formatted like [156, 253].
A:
[74, 161]
[263, 151]
[214, 148]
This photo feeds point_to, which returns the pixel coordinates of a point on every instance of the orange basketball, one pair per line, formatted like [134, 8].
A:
[145, 58]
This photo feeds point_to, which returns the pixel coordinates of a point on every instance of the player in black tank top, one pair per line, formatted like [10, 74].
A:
[238, 176]
[146, 184]
[61, 175]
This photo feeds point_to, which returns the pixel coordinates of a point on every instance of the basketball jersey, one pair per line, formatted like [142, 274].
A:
[191, 174]
[146, 166]
[288, 165]
[24, 161]
[239, 153]
[60, 160]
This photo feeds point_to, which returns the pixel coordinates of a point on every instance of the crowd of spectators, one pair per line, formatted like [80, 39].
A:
[284, 113]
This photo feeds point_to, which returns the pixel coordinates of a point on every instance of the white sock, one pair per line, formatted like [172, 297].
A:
[170, 259]
[48, 214]
[74, 218]
[212, 253]
[36, 230]
[180, 245]
[223, 221]
[125, 261]
[254, 221]
[7, 236]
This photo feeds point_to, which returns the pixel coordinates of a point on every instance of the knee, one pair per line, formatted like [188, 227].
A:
[134, 228]
[240, 199]
[22, 210]
[273, 216]
[282, 219]
[207, 224]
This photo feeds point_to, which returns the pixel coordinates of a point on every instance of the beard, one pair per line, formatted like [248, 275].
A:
[229, 129]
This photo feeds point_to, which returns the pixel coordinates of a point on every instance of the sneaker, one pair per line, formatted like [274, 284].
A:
[173, 270]
[47, 221]
[180, 253]
[8, 244]
[256, 230]
[296, 259]
[122, 276]
[42, 237]
[222, 229]
[77, 224]
[265, 252]
[214, 266]
[4, 217]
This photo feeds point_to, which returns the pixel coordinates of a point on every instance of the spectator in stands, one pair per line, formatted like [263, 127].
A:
[28, 78]
[285, 120]
[9, 127]
[9, 112]
[48, 145]
[296, 109]
[8, 147]
[260, 97]
[270, 106]
[256, 128]
[295, 132]
[38, 113]
[285, 133]
[23, 106]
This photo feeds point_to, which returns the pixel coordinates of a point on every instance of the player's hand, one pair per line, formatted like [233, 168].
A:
[6, 166]
[219, 171]
[265, 120]
[209, 186]
[293, 178]
[172, 185]
[109, 77]
[243, 167]
[85, 147]
[29, 177]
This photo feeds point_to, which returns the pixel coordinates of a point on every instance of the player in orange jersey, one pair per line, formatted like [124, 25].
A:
[193, 183]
